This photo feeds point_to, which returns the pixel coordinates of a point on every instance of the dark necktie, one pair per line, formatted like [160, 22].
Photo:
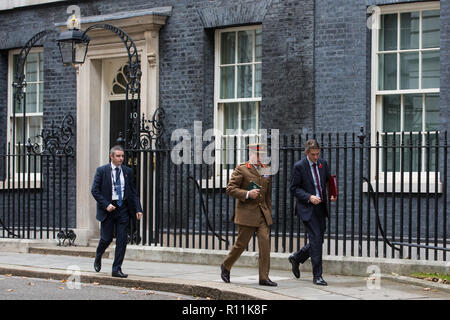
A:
[118, 187]
[317, 180]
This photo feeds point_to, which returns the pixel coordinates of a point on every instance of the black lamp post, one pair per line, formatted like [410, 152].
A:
[73, 45]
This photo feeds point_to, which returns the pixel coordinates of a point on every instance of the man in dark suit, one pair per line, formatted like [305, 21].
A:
[115, 192]
[309, 179]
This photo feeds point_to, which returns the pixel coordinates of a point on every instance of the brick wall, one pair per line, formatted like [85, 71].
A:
[340, 55]
[316, 60]
[17, 27]
[343, 64]
[187, 63]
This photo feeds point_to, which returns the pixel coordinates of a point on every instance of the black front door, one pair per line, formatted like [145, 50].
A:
[117, 121]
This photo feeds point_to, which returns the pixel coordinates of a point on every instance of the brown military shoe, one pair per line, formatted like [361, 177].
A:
[267, 282]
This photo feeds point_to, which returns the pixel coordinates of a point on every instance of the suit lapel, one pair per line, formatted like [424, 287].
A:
[308, 171]
[108, 178]
[125, 178]
[322, 175]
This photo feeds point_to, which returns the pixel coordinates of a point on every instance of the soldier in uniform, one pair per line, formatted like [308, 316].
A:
[250, 185]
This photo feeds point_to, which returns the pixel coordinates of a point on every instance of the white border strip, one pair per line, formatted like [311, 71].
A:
[13, 4]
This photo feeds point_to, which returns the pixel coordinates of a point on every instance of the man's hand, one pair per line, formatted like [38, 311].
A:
[139, 215]
[110, 208]
[314, 200]
[333, 198]
[253, 194]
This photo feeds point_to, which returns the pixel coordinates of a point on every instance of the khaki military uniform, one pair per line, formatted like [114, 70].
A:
[251, 215]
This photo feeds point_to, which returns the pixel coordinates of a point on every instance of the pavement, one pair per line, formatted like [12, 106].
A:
[24, 288]
[204, 280]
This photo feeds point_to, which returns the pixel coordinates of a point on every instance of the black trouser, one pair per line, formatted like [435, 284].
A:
[315, 228]
[118, 218]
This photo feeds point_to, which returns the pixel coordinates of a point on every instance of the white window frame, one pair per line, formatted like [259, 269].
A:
[10, 101]
[376, 100]
[218, 113]
[13, 4]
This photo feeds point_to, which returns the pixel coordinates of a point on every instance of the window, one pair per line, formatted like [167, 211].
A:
[237, 88]
[119, 85]
[405, 83]
[28, 125]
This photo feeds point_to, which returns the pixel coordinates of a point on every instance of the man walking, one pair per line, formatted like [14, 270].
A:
[250, 184]
[115, 192]
[309, 178]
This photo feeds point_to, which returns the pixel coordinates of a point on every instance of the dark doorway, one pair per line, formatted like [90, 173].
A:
[117, 121]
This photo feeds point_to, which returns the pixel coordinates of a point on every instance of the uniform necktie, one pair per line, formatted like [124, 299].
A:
[118, 187]
[317, 180]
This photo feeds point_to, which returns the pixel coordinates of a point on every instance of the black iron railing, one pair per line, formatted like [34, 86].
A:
[393, 192]
[37, 184]
[186, 206]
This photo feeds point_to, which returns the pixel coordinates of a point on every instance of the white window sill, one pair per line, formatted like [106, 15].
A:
[413, 187]
[32, 184]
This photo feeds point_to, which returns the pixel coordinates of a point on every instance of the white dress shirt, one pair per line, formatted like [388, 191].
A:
[314, 176]
[115, 196]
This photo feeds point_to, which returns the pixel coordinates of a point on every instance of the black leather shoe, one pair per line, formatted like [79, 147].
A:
[295, 268]
[224, 274]
[119, 274]
[319, 281]
[98, 263]
[267, 282]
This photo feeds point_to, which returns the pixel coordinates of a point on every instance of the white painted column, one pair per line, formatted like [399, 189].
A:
[152, 70]
[88, 147]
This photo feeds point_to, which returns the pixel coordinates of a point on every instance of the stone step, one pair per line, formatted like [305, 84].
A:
[88, 252]
[93, 243]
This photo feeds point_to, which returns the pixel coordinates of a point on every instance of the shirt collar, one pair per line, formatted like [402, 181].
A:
[311, 163]
[254, 165]
[113, 167]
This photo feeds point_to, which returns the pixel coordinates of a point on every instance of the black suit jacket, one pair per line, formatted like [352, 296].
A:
[302, 186]
[102, 191]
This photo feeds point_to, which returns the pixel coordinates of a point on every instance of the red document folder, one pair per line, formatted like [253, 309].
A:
[332, 186]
